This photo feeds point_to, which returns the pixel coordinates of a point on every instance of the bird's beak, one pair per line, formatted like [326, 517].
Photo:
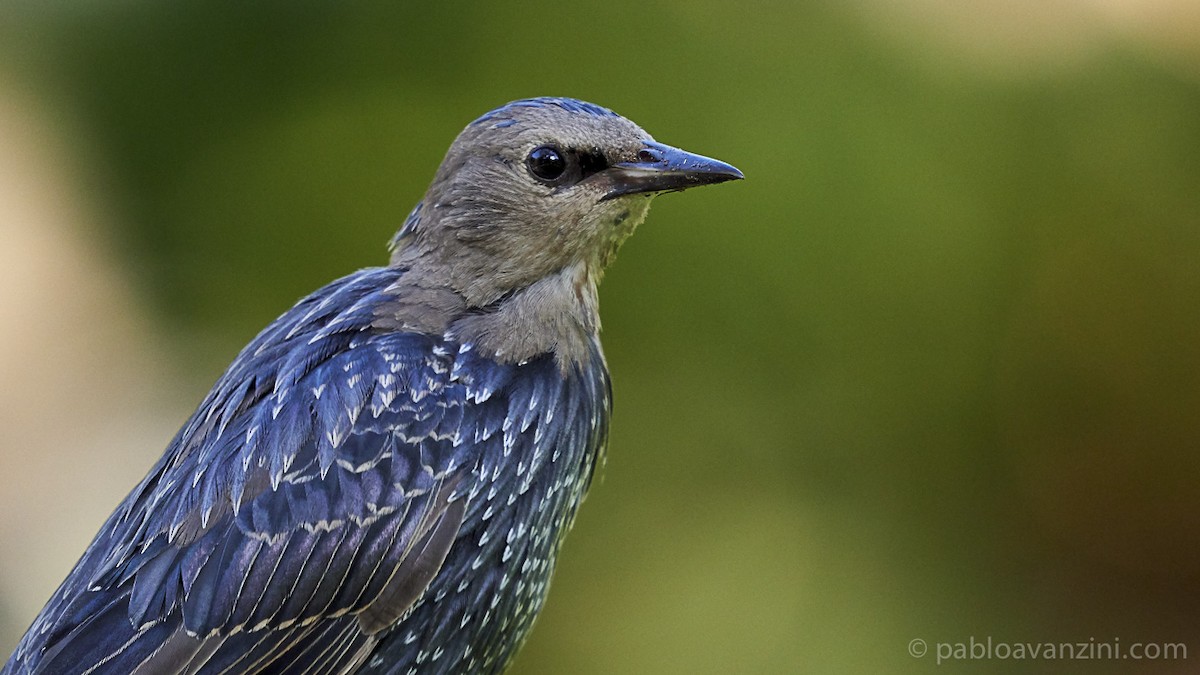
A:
[662, 168]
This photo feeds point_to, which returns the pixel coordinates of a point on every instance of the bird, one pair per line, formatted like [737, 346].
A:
[382, 479]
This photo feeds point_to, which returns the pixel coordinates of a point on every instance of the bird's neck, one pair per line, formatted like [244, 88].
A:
[557, 314]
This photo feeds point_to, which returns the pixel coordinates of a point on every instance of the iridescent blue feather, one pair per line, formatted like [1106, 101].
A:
[301, 500]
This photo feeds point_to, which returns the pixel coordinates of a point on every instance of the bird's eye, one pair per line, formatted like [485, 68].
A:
[546, 163]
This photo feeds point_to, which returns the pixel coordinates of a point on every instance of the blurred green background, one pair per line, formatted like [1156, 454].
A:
[931, 372]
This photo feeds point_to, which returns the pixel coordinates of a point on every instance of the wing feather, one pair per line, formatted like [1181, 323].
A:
[281, 511]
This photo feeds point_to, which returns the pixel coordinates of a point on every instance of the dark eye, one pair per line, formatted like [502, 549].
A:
[546, 162]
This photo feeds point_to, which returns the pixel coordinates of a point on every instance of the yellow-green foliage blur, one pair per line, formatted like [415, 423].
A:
[931, 372]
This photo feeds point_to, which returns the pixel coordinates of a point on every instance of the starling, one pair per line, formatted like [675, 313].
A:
[382, 479]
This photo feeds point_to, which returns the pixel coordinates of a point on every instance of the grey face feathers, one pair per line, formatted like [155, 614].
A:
[538, 186]
[527, 209]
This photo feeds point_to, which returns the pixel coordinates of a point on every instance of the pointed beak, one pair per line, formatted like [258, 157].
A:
[662, 168]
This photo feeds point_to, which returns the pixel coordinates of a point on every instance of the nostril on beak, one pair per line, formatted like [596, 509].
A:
[647, 155]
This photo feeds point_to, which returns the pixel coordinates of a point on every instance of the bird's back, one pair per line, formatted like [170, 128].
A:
[349, 495]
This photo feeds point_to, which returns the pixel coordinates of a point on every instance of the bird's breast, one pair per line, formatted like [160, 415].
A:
[537, 434]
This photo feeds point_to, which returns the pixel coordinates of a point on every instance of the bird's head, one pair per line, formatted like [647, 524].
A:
[538, 187]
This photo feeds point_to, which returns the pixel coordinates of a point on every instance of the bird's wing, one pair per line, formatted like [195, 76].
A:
[317, 490]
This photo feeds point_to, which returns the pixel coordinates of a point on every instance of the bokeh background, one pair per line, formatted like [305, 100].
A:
[931, 372]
